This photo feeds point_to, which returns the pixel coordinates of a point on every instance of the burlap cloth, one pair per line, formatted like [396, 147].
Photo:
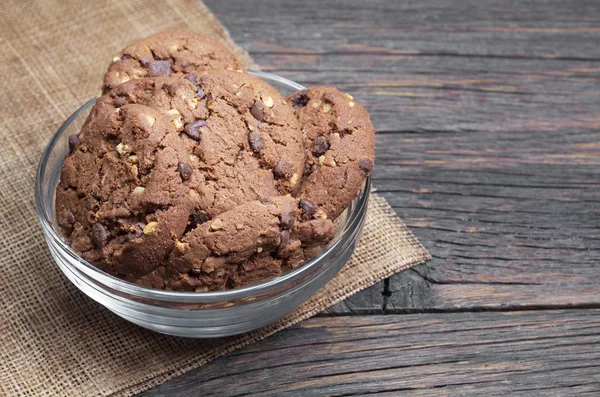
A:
[54, 340]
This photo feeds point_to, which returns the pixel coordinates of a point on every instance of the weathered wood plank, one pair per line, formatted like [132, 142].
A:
[526, 353]
[462, 95]
[440, 66]
[488, 124]
[464, 28]
[510, 222]
[488, 136]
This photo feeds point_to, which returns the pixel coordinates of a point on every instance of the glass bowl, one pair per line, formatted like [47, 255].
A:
[192, 314]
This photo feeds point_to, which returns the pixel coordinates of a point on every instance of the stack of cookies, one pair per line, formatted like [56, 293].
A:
[192, 175]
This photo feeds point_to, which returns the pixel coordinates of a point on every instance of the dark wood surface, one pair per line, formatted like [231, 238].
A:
[488, 147]
[524, 353]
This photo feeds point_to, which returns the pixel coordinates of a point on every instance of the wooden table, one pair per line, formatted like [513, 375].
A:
[488, 146]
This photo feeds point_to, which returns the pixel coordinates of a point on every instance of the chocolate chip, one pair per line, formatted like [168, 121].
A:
[99, 235]
[119, 101]
[365, 165]
[195, 272]
[309, 209]
[126, 57]
[137, 230]
[258, 111]
[70, 218]
[91, 203]
[198, 217]
[73, 142]
[193, 129]
[286, 220]
[300, 99]
[256, 142]
[194, 79]
[320, 145]
[160, 69]
[284, 239]
[283, 169]
[185, 170]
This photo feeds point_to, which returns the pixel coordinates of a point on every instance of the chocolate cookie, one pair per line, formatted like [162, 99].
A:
[340, 145]
[168, 54]
[157, 156]
[247, 244]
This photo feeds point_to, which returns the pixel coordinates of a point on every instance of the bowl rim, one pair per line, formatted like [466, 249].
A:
[115, 283]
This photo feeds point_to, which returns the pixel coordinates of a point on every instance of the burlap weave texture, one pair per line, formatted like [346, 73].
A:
[53, 339]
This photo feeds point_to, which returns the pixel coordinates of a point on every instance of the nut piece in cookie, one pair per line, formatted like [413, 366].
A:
[340, 146]
[169, 54]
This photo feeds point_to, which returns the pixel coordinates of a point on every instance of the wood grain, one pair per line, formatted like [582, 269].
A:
[510, 222]
[441, 66]
[524, 353]
[487, 118]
